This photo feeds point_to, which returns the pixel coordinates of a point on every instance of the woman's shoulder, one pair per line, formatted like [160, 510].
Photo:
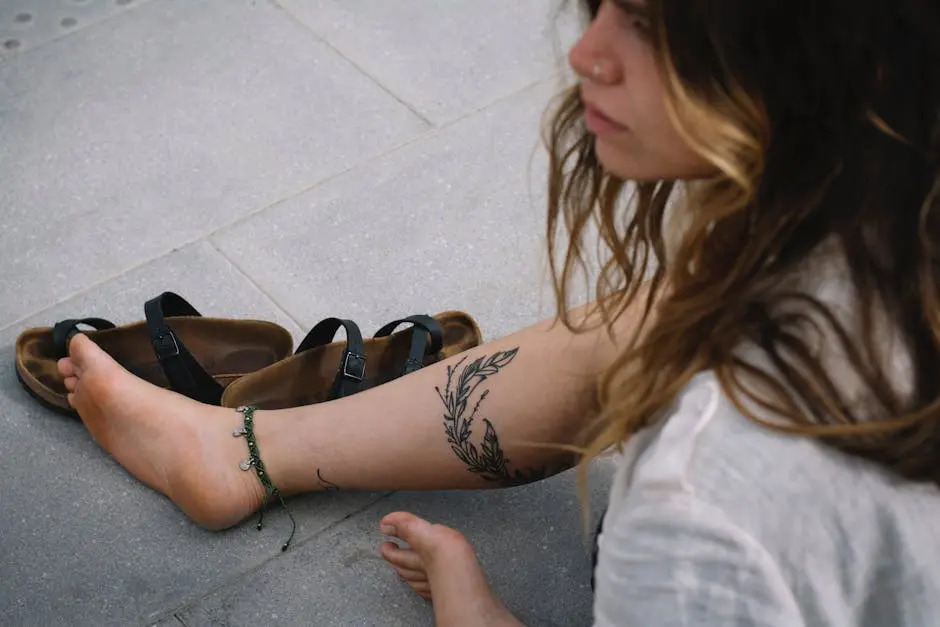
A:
[707, 448]
[788, 505]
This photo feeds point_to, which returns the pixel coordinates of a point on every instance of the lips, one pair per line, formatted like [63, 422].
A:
[599, 123]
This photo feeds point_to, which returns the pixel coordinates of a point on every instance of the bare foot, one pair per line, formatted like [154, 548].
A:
[441, 566]
[175, 445]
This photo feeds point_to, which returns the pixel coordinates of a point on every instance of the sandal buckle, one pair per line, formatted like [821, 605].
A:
[354, 367]
[166, 349]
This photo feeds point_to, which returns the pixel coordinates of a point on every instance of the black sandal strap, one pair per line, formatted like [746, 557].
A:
[424, 326]
[352, 365]
[64, 331]
[185, 374]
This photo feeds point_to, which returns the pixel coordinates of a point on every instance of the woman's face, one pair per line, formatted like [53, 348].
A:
[623, 94]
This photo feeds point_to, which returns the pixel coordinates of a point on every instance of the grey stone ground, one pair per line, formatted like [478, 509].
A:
[282, 159]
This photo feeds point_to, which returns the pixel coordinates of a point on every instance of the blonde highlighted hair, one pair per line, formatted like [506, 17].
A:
[833, 140]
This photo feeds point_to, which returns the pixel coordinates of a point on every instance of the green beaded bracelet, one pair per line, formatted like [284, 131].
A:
[254, 461]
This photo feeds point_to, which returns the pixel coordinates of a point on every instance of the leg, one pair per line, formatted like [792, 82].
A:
[463, 423]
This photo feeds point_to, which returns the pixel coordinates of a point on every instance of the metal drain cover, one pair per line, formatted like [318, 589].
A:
[26, 24]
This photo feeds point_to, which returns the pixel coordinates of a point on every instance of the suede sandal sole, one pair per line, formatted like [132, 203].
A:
[308, 377]
[226, 349]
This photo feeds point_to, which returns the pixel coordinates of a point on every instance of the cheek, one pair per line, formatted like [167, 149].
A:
[652, 151]
[642, 84]
[655, 138]
[646, 96]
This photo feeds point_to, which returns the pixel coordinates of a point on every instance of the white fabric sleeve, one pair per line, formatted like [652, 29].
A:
[667, 560]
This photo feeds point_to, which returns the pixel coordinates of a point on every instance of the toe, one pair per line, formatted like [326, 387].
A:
[415, 531]
[414, 576]
[401, 558]
[432, 543]
[66, 367]
[421, 587]
[86, 355]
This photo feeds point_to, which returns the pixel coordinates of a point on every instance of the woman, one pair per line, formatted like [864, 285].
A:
[774, 386]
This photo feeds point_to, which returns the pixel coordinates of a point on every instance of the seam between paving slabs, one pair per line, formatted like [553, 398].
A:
[355, 65]
[431, 132]
[253, 283]
[192, 603]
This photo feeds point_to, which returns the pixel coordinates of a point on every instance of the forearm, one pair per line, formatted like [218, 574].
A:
[463, 423]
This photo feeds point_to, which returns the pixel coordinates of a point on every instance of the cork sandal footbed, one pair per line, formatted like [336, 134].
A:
[306, 378]
[227, 349]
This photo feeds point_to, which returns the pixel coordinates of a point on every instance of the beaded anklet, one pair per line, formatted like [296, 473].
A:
[254, 460]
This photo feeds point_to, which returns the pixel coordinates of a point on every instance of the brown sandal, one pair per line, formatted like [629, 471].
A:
[175, 348]
[311, 375]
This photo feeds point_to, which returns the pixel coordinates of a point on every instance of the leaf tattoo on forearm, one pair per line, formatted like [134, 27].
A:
[488, 460]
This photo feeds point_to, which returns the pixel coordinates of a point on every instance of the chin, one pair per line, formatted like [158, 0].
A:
[642, 167]
[626, 165]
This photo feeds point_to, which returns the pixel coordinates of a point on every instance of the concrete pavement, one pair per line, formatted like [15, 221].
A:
[287, 160]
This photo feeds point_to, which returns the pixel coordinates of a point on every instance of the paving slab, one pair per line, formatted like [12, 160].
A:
[198, 272]
[530, 542]
[146, 131]
[448, 57]
[84, 543]
[28, 24]
[454, 220]
[298, 131]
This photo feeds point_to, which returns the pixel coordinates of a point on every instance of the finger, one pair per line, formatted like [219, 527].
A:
[70, 383]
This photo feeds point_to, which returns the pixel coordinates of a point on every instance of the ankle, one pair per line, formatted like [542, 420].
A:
[278, 436]
[254, 463]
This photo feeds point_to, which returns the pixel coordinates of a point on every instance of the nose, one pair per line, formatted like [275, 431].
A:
[592, 56]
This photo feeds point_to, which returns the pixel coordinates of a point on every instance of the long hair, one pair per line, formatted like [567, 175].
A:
[822, 118]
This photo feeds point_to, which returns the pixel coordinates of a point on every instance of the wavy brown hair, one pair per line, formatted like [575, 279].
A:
[823, 119]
